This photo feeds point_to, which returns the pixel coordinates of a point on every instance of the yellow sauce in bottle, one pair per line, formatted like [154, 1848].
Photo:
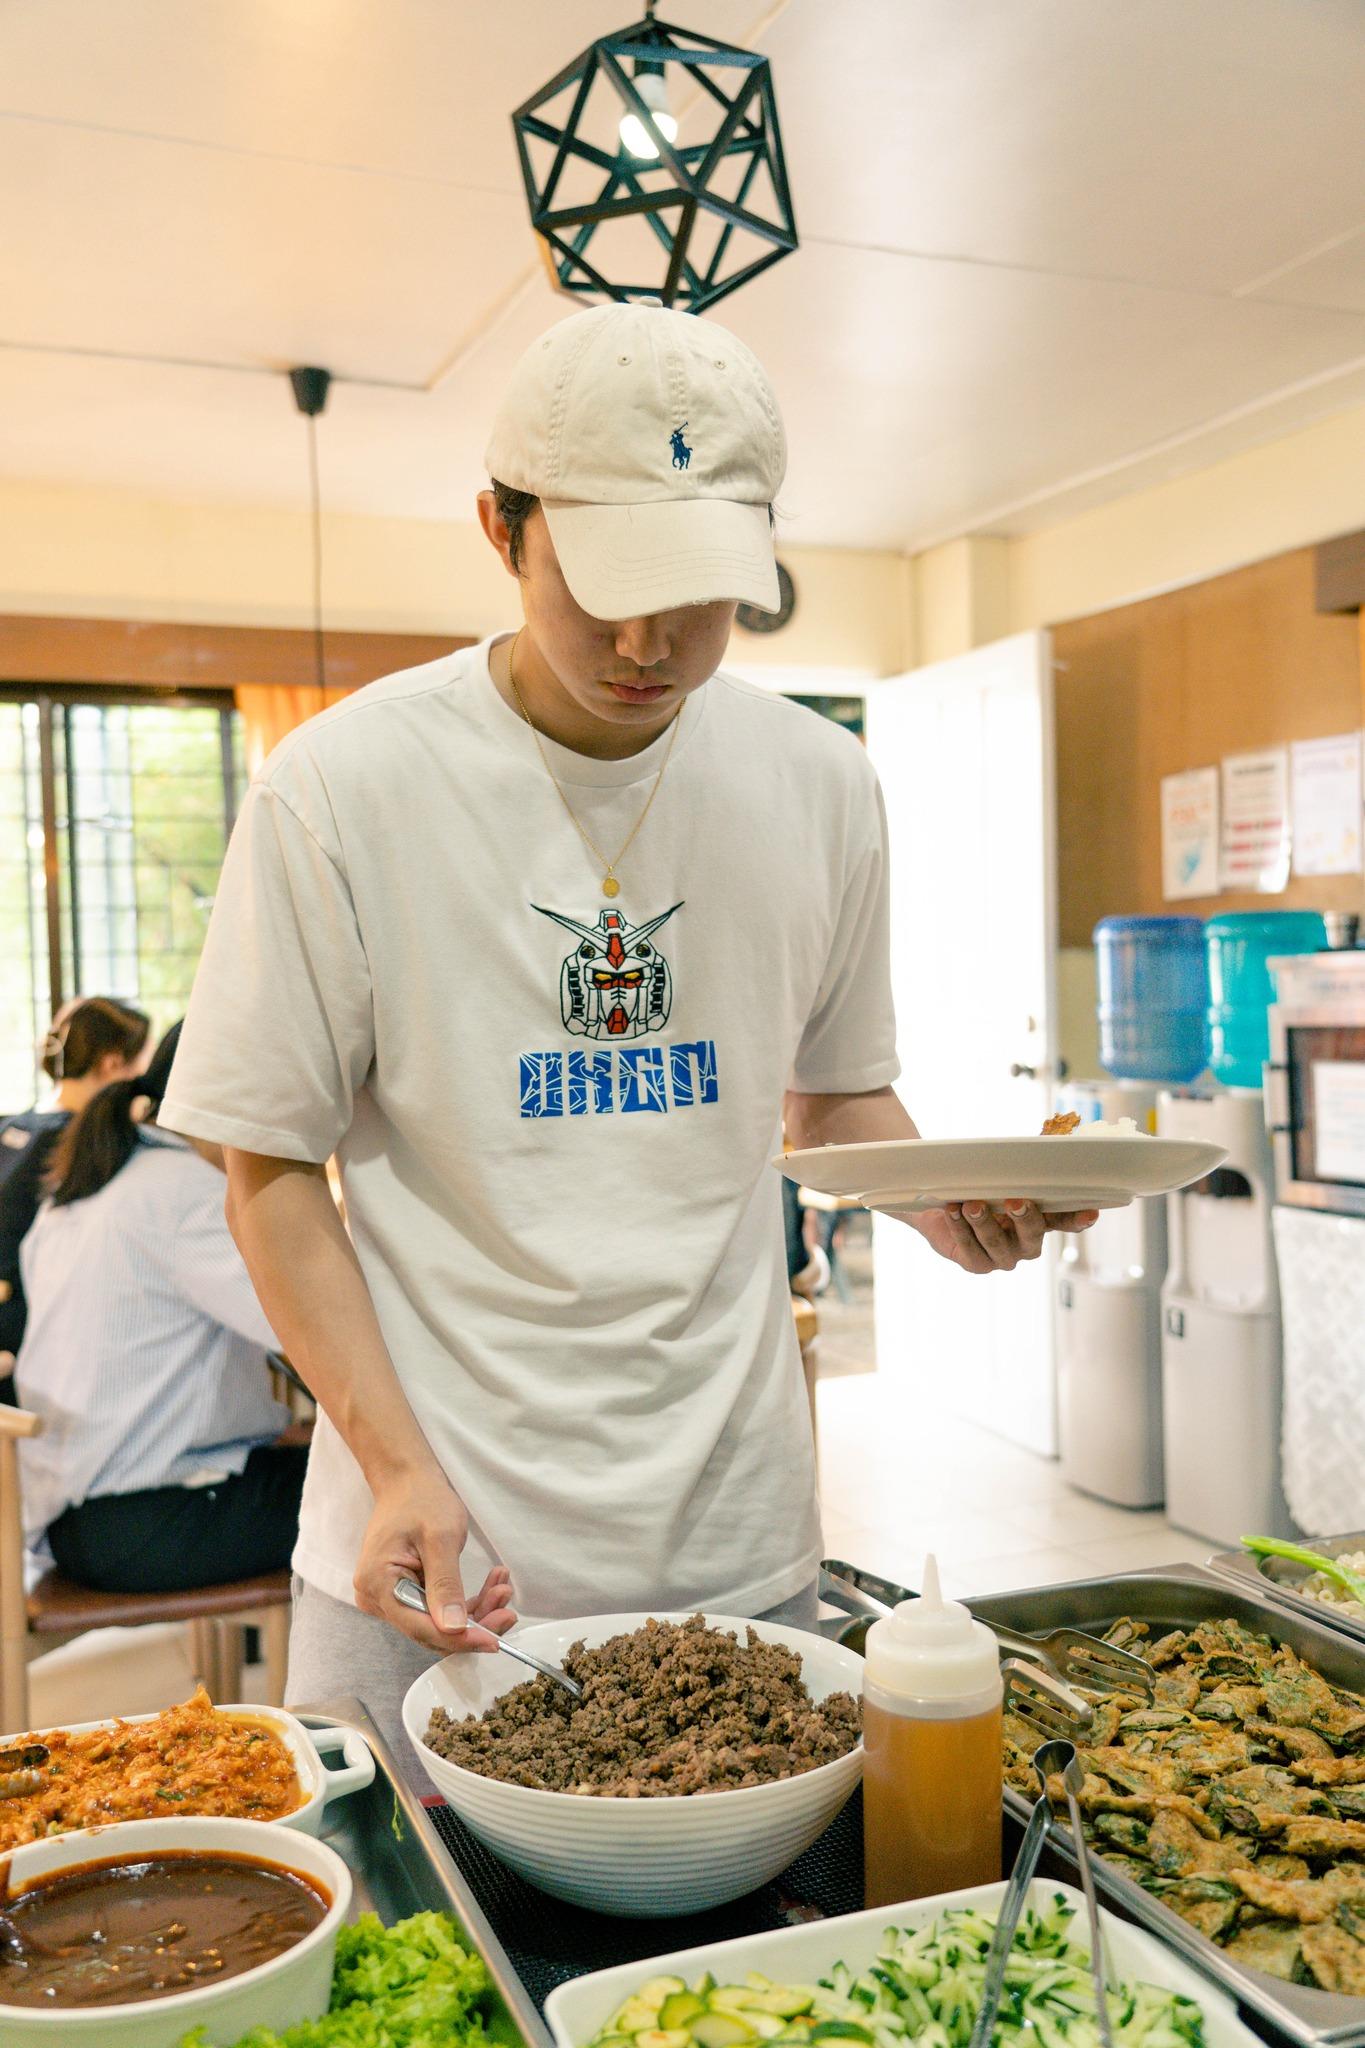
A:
[933, 1778]
[932, 1802]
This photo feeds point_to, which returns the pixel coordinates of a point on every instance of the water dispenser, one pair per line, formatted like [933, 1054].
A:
[1109, 1327]
[1221, 1372]
[1153, 1000]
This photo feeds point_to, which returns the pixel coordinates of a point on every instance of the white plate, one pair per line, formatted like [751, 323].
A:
[800, 1955]
[1059, 1174]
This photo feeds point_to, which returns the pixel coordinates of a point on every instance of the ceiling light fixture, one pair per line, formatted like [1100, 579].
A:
[649, 83]
[624, 209]
[310, 387]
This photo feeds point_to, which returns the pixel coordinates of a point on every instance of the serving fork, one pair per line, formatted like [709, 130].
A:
[1080, 1659]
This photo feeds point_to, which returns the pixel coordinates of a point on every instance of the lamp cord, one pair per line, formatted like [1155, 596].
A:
[315, 494]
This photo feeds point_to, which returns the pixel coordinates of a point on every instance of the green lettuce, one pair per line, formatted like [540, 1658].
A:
[408, 1986]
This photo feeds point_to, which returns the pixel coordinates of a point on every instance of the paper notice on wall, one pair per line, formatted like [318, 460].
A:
[1339, 1120]
[1189, 834]
[1255, 823]
[1326, 804]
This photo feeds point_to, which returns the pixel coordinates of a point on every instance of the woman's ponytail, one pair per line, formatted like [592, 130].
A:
[99, 1142]
[95, 1145]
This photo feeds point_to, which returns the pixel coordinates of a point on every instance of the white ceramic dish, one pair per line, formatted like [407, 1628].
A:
[641, 1857]
[1059, 1174]
[290, 1987]
[319, 1783]
[802, 1955]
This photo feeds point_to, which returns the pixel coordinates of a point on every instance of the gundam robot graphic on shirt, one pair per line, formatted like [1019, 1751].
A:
[615, 984]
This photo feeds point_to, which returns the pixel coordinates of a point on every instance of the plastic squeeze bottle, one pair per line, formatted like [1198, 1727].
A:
[933, 1779]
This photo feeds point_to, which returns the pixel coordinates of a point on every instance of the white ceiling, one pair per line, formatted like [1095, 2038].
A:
[1052, 250]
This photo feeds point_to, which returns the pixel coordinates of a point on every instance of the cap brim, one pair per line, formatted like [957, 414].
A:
[623, 561]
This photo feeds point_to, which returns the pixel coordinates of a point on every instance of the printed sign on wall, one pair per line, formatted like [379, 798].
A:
[1325, 775]
[1189, 834]
[1255, 826]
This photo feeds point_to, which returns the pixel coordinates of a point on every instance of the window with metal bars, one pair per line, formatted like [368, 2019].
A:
[115, 812]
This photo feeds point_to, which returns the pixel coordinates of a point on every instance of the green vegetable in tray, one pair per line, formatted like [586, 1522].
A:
[407, 1986]
[1330, 1567]
[925, 1987]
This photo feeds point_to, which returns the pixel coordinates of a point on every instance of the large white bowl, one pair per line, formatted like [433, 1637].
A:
[802, 1955]
[319, 1784]
[647, 1858]
[293, 1986]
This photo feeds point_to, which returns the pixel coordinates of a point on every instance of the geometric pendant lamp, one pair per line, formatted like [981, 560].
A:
[626, 211]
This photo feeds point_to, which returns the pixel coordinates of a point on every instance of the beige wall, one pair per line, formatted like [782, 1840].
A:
[112, 554]
[103, 552]
[1288, 494]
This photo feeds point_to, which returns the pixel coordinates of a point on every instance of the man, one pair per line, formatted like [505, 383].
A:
[517, 935]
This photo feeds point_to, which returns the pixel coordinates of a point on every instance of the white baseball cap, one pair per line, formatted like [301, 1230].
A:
[653, 440]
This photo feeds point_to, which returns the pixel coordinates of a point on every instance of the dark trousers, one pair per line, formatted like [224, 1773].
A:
[172, 1539]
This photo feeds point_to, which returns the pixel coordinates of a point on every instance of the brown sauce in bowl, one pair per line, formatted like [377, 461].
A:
[119, 1932]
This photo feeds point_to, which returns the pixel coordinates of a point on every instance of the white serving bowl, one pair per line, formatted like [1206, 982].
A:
[319, 1784]
[802, 1955]
[295, 1985]
[646, 1858]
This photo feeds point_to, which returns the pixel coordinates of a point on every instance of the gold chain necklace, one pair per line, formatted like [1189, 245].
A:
[610, 885]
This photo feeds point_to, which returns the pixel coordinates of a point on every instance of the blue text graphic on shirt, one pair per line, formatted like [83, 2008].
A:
[619, 1078]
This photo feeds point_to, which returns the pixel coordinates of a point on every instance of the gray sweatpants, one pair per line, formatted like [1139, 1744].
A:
[335, 1650]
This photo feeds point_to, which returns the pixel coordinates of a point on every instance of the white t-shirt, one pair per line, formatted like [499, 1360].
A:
[554, 1115]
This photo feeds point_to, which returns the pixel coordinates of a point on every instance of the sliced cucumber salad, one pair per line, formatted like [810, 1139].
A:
[925, 1986]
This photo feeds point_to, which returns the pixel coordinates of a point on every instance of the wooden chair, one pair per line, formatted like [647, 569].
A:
[57, 1611]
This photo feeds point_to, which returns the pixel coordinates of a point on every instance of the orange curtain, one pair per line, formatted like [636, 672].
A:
[270, 710]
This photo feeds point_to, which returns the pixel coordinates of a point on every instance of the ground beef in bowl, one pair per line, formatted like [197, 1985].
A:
[672, 1708]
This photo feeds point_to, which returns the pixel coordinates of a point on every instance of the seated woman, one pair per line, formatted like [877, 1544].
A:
[159, 1467]
[93, 1041]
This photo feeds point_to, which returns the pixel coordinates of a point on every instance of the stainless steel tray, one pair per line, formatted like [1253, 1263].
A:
[1178, 1598]
[399, 1865]
[1279, 1578]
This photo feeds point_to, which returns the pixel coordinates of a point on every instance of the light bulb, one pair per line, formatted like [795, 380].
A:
[634, 134]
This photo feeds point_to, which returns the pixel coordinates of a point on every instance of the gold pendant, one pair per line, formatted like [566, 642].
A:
[610, 886]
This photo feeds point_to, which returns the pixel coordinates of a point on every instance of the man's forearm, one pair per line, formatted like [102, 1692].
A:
[867, 1119]
[308, 1279]
[812, 1120]
[971, 1234]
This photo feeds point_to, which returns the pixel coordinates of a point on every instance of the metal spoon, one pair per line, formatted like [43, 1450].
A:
[408, 1593]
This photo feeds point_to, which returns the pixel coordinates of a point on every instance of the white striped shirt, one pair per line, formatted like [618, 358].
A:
[145, 1352]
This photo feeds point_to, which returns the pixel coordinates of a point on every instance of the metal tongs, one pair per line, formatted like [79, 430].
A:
[1040, 1670]
[1054, 1759]
[408, 1593]
[21, 1770]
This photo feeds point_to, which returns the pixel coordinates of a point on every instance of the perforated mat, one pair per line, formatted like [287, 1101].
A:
[548, 1942]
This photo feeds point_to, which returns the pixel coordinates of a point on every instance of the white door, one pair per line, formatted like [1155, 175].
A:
[965, 755]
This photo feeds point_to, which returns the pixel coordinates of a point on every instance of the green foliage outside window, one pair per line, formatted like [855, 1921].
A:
[141, 828]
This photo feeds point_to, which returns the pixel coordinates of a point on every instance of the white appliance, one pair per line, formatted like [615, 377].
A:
[1220, 1339]
[1109, 1327]
[1315, 1107]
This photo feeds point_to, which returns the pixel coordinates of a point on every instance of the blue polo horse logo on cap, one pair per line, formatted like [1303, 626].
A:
[682, 454]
